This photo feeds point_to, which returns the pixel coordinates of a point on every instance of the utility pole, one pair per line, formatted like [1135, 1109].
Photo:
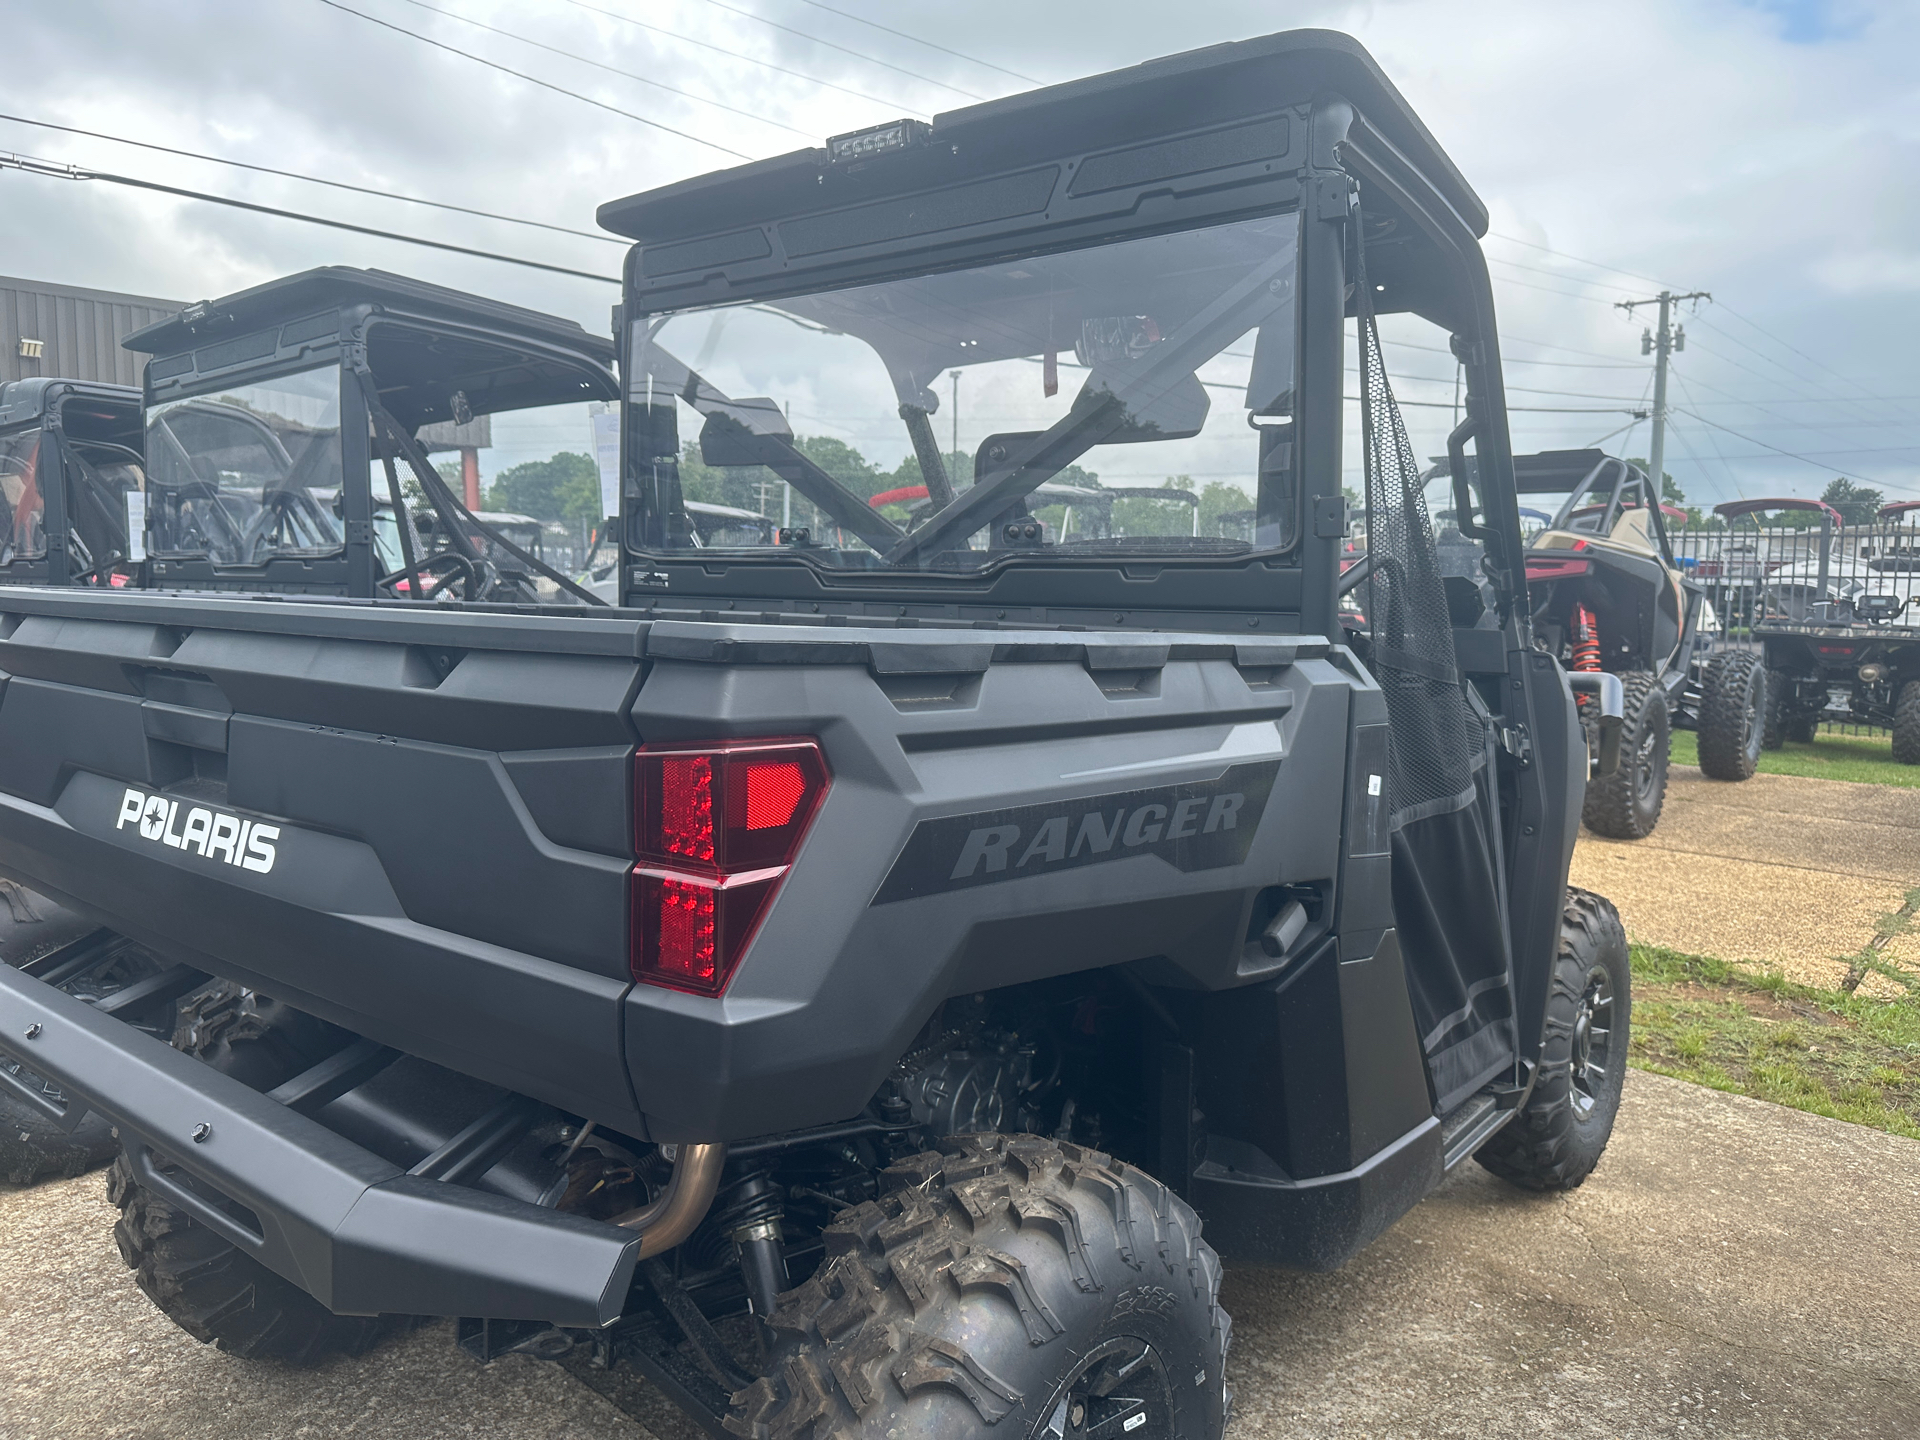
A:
[1667, 340]
[956, 412]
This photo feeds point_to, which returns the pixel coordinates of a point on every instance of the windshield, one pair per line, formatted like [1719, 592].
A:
[1130, 399]
[247, 474]
[23, 527]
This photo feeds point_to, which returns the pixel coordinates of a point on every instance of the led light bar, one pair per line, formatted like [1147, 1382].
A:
[878, 140]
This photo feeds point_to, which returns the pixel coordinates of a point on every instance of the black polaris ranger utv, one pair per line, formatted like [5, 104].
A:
[840, 981]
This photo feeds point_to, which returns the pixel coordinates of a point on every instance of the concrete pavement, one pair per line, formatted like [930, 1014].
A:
[1732, 1270]
[1778, 872]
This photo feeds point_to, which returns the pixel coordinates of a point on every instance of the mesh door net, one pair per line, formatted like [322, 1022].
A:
[1448, 896]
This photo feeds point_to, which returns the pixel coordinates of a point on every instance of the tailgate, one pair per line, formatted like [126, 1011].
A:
[413, 823]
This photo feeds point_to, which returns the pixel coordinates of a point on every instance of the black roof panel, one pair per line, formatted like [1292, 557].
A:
[1217, 85]
[338, 286]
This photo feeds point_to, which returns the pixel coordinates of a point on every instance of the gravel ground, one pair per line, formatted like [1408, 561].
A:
[1732, 1270]
[1777, 871]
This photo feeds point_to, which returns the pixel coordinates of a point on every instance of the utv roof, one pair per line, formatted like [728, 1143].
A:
[1110, 113]
[1898, 509]
[24, 400]
[1550, 472]
[1733, 509]
[334, 287]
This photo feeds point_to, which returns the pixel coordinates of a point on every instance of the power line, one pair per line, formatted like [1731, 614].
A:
[1549, 345]
[1794, 375]
[1713, 437]
[1502, 279]
[970, 59]
[1784, 345]
[1548, 249]
[317, 180]
[610, 69]
[870, 59]
[1519, 360]
[1553, 274]
[737, 55]
[530, 79]
[1728, 309]
[1791, 455]
[55, 170]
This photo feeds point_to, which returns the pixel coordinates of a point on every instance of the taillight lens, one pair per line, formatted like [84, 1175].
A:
[717, 826]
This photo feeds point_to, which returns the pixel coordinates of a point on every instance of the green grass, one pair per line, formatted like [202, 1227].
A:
[1863, 759]
[1825, 1051]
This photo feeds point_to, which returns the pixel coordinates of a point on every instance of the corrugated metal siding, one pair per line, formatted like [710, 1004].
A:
[80, 329]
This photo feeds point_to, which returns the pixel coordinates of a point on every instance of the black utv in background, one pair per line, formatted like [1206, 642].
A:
[292, 459]
[840, 980]
[69, 459]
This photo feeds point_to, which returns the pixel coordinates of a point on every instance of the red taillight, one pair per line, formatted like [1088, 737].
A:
[686, 807]
[717, 826]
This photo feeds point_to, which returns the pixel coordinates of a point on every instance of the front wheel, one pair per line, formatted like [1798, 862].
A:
[1007, 1286]
[1557, 1139]
[1626, 804]
[1733, 709]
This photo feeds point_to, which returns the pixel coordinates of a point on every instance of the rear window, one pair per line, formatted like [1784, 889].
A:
[249, 474]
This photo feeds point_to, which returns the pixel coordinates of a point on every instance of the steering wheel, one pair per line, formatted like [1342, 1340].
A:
[458, 567]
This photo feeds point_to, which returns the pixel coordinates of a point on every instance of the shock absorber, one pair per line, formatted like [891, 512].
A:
[1585, 639]
[749, 1213]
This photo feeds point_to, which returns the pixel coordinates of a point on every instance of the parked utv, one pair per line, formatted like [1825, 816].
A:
[1833, 609]
[1608, 596]
[290, 460]
[69, 460]
[840, 980]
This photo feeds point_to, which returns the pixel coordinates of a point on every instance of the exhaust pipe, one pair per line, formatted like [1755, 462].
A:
[665, 1222]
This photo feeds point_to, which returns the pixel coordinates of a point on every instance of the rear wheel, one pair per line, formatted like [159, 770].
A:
[219, 1295]
[202, 1282]
[1557, 1139]
[32, 1147]
[1906, 724]
[1007, 1286]
[1626, 804]
[1787, 719]
[1733, 707]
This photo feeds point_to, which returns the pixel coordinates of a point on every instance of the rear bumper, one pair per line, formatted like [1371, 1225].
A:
[350, 1229]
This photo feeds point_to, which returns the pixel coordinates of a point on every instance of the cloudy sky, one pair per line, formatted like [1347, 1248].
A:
[1767, 151]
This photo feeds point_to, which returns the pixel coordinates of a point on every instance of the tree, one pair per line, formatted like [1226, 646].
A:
[1670, 490]
[1218, 499]
[559, 488]
[1857, 504]
[566, 487]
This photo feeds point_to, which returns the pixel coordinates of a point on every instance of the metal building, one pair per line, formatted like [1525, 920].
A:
[70, 332]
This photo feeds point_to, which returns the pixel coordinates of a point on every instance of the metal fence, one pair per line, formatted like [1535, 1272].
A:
[1809, 575]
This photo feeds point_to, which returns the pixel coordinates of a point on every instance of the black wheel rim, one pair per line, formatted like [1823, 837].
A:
[1756, 714]
[1644, 767]
[1590, 1063]
[1120, 1390]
